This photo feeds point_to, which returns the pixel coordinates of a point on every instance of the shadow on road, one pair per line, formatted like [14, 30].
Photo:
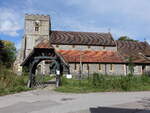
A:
[145, 102]
[116, 110]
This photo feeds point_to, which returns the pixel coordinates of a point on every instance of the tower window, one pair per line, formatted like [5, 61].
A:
[37, 24]
[36, 28]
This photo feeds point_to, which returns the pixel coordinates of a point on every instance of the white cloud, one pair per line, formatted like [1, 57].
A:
[128, 9]
[72, 24]
[148, 41]
[9, 22]
[124, 17]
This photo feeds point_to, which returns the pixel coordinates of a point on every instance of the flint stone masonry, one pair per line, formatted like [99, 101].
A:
[118, 69]
[85, 47]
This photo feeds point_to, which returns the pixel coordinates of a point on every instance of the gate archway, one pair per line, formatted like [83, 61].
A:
[39, 54]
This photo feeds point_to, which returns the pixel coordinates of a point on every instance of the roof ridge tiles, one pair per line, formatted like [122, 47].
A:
[79, 32]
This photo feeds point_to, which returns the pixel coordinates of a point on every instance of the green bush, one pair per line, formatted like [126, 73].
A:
[10, 82]
[98, 82]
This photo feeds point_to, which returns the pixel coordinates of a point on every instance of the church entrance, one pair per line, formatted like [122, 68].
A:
[43, 54]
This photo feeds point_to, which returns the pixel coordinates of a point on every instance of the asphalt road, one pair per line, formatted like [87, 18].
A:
[47, 101]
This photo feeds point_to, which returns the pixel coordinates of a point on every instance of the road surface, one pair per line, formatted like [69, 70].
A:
[48, 101]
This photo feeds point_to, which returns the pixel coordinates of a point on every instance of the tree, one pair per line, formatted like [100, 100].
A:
[126, 38]
[1, 50]
[131, 66]
[8, 53]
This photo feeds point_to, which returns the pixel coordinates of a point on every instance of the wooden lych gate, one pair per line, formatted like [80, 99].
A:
[44, 54]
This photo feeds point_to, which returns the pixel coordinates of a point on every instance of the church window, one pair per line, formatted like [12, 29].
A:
[104, 47]
[75, 66]
[111, 67]
[57, 46]
[73, 46]
[100, 67]
[87, 67]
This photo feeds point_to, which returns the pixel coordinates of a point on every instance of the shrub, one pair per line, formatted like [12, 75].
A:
[10, 82]
[98, 82]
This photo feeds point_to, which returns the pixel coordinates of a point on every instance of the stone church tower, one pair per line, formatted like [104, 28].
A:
[36, 28]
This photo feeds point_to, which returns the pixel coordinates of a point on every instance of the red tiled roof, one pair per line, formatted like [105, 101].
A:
[81, 38]
[134, 47]
[135, 50]
[90, 56]
[126, 49]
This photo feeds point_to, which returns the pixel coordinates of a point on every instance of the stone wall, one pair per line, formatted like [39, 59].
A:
[44, 24]
[43, 68]
[137, 70]
[85, 47]
[31, 41]
[19, 58]
[110, 69]
[147, 68]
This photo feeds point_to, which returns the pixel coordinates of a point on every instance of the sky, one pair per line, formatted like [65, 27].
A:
[120, 17]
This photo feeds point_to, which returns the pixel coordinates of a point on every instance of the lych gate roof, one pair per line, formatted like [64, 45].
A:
[81, 38]
[43, 46]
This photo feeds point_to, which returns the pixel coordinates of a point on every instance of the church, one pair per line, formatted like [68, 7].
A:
[84, 52]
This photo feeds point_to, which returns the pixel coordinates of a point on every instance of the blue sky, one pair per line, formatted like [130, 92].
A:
[122, 17]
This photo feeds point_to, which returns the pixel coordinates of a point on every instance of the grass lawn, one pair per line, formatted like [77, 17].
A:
[104, 83]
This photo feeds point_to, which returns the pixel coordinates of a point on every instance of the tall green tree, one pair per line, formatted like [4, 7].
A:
[1, 51]
[8, 53]
[131, 66]
[126, 38]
